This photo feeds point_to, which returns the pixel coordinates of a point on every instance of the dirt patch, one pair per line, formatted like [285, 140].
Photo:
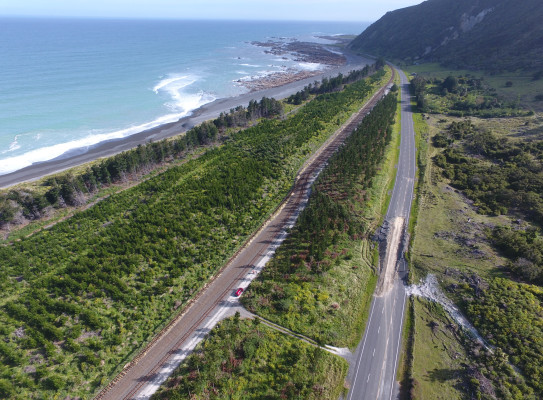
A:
[87, 335]
[390, 259]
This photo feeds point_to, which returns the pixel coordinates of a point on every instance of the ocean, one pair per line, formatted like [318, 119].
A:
[71, 83]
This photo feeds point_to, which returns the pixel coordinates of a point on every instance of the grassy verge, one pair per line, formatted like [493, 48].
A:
[438, 366]
[405, 362]
[451, 240]
[522, 87]
[242, 359]
[81, 297]
[321, 286]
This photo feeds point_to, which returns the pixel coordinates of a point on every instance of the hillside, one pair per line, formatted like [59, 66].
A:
[494, 35]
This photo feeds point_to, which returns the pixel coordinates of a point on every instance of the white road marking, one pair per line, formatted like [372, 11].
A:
[398, 344]
[362, 352]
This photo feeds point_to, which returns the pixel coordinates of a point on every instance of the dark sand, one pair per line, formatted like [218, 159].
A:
[204, 113]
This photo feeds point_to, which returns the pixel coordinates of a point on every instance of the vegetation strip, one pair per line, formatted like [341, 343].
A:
[81, 296]
[245, 359]
[479, 229]
[304, 283]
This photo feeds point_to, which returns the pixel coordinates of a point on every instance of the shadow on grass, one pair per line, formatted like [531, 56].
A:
[444, 374]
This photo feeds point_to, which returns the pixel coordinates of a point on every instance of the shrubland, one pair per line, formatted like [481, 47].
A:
[81, 297]
[479, 231]
[244, 359]
[318, 282]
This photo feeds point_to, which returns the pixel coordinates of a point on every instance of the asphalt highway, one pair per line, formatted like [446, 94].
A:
[141, 377]
[373, 373]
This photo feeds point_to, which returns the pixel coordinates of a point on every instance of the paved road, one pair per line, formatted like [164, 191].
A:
[373, 374]
[142, 376]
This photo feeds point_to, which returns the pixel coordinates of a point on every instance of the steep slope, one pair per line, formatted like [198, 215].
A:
[479, 34]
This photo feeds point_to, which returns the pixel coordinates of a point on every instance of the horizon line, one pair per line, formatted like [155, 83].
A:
[119, 18]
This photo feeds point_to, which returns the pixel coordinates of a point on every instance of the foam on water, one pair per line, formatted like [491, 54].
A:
[15, 163]
[13, 145]
[72, 103]
[179, 81]
[307, 66]
[182, 101]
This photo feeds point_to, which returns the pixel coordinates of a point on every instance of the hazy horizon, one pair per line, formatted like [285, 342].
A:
[242, 10]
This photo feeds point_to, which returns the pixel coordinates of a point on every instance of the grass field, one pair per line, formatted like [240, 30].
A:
[242, 359]
[438, 355]
[523, 87]
[450, 240]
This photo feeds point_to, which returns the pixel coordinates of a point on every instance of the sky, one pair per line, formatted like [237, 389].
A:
[301, 10]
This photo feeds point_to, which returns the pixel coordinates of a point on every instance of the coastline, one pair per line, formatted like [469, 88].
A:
[209, 111]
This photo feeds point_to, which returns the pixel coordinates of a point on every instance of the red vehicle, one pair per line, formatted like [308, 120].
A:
[238, 292]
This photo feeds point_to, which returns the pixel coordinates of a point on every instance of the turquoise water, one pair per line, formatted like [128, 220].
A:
[68, 84]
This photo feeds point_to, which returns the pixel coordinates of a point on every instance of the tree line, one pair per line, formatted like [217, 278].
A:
[82, 295]
[291, 290]
[501, 176]
[72, 190]
[329, 85]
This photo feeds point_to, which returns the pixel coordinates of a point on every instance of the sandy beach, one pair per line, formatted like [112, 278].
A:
[288, 86]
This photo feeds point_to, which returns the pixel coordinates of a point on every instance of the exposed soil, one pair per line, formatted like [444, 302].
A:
[388, 270]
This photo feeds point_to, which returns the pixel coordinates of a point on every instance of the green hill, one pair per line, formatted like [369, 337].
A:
[494, 35]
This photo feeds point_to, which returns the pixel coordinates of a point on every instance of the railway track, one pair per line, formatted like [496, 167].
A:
[134, 376]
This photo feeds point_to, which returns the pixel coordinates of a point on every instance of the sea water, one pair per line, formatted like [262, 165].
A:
[68, 84]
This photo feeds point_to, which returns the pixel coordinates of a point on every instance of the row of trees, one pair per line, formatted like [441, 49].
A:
[242, 359]
[332, 84]
[293, 289]
[73, 190]
[242, 117]
[87, 292]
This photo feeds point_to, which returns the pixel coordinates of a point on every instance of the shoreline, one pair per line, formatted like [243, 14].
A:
[77, 157]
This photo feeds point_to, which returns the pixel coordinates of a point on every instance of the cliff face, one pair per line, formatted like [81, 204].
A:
[478, 34]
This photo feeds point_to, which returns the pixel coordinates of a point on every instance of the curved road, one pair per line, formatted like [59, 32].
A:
[373, 374]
